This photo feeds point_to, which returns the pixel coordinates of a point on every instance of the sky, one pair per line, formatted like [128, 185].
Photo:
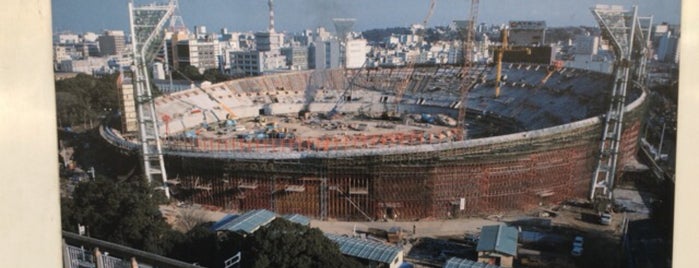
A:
[79, 16]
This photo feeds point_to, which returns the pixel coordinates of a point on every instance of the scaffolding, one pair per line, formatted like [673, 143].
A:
[147, 35]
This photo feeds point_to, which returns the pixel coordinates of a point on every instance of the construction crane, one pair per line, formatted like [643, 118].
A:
[500, 52]
[466, 85]
[403, 84]
[346, 92]
[557, 65]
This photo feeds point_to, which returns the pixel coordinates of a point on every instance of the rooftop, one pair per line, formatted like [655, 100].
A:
[297, 218]
[463, 263]
[364, 249]
[248, 222]
[498, 238]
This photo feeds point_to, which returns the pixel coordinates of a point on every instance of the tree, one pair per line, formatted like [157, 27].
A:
[188, 72]
[200, 245]
[285, 244]
[214, 76]
[121, 212]
[188, 218]
[84, 98]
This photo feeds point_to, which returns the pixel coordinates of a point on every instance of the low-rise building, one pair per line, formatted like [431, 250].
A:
[372, 254]
[454, 262]
[498, 245]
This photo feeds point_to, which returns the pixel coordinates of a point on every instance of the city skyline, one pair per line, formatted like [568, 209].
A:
[95, 16]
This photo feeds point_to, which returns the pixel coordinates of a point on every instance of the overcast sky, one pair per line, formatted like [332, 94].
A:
[294, 15]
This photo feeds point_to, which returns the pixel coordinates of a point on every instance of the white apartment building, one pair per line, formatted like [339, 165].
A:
[202, 54]
[246, 62]
[355, 53]
[89, 65]
[158, 71]
[68, 38]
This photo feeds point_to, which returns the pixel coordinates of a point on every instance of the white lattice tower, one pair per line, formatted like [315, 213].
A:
[622, 29]
[148, 24]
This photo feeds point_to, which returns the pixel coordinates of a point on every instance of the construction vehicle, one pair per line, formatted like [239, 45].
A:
[553, 68]
[345, 93]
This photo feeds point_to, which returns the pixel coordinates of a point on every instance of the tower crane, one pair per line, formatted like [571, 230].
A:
[500, 52]
[466, 85]
[403, 84]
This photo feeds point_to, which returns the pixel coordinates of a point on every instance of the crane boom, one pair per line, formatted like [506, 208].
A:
[466, 85]
[500, 52]
[429, 13]
[403, 83]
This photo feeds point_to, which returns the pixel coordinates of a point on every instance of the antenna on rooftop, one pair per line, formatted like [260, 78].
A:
[271, 16]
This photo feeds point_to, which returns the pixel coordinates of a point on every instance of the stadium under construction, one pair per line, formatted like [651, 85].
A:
[376, 143]
[532, 144]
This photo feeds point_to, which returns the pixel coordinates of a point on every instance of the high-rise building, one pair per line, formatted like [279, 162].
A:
[268, 41]
[112, 43]
[324, 55]
[668, 48]
[127, 104]
[249, 63]
[527, 33]
[305, 38]
[202, 54]
[321, 34]
[355, 53]
[296, 57]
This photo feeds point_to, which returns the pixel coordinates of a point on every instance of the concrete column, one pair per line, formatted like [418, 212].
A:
[29, 194]
[66, 255]
[134, 263]
[99, 263]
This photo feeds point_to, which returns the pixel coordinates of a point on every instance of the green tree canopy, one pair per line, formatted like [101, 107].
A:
[121, 212]
[84, 98]
[214, 76]
[285, 244]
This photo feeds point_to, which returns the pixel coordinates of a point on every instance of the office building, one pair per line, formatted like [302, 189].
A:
[527, 33]
[324, 55]
[112, 43]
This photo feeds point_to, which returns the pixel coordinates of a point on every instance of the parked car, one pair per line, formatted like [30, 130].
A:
[578, 242]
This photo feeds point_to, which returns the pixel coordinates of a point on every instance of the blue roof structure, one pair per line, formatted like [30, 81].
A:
[223, 221]
[463, 263]
[498, 238]
[248, 222]
[297, 218]
[365, 249]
